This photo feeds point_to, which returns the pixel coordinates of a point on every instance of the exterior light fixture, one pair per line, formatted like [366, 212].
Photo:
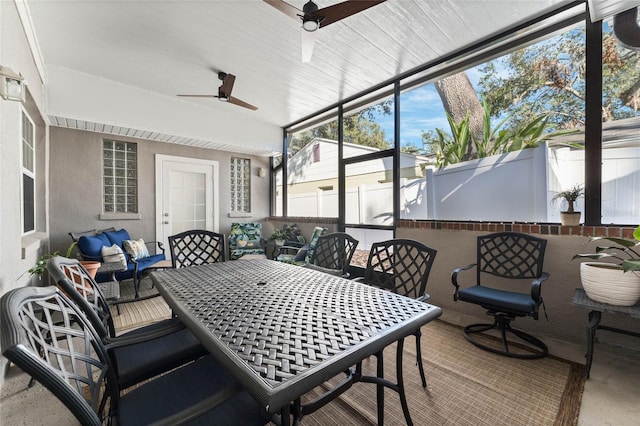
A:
[12, 85]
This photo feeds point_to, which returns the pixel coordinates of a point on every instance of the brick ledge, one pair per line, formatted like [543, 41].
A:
[526, 228]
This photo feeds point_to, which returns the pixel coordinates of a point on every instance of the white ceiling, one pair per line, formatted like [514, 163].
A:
[149, 51]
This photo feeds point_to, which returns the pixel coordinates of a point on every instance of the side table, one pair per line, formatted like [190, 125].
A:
[111, 289]
[595, 316]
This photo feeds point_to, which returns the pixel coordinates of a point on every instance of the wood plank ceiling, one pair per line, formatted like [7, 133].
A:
[171, 47]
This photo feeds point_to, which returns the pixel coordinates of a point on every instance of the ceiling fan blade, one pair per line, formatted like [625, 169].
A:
[238, 102]
[308, 40]
[227, 85]
[285, 8]
[198, 96]
[331, 14]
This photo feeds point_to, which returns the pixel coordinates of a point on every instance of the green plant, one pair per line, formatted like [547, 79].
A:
[451, 150]
[293, 233]
[278, 234]
[41, 265]
[571, 195]
[625, 253]
[70, 249]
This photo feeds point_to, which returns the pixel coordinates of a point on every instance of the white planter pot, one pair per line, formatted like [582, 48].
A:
[607, 283]
[570, 218]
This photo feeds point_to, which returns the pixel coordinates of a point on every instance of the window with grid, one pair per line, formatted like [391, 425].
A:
[28, 174]
[240, 185]
[120, 176]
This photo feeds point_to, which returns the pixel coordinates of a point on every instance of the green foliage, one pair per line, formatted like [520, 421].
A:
[452, 149]
[495, 140]
[278, 234]
[359, 128]
[571, 194]
[41, 265]
[550, 76]
[625, 253]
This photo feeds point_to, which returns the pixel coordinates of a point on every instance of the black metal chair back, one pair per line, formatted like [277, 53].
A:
[334, 251]
[400, 265]
[71, 277]
[47, 336]
[510, 255]
[196, 247]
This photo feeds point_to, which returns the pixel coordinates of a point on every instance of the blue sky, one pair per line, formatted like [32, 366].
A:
[420, 111]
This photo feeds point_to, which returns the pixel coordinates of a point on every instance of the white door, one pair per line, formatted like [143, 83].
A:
[186, 195]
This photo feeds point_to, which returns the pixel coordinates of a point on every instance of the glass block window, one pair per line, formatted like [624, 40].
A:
[240, 185]
[120, 177]
[28, 174]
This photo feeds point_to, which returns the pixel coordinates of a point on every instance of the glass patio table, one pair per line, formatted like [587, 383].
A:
[282, 330]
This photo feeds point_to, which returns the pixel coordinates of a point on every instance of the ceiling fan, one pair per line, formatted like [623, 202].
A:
[313, 18]
[224, 92]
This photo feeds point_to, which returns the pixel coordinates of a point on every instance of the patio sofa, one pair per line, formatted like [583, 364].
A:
[137, 256]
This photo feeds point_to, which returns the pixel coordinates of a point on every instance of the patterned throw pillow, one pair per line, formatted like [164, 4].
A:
[113, 254]
[136, 249]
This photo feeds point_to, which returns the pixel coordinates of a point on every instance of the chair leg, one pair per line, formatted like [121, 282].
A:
[418, 334]
[536, 348]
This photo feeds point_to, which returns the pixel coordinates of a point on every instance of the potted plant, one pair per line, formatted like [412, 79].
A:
[279, 236]
[570, 217]
[616, 282]
[91, 266]
[41, 265]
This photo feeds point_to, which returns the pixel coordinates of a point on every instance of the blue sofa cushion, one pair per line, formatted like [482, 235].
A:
[117, 237]
[142, 265]
[91, 246]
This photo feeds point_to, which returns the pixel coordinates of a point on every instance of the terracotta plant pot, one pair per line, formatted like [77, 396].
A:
[91, 266]
[607, 283]
[570, 218]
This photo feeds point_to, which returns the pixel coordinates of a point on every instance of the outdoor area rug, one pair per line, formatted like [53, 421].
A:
[466, 386]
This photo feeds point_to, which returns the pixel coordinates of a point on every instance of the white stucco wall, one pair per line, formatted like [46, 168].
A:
[18, 253]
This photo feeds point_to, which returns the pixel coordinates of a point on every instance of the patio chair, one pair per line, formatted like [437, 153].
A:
[196, 247]
[332, 253]
[47, 336]
[295, 252]
[246, 239]
[402, 266]
[517, 259]
[138, 354]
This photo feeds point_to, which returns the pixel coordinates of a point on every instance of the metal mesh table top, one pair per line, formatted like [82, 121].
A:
[283, 329]
[580, 298]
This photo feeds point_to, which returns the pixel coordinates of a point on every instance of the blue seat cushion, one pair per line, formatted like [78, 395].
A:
[117, 237]
[519, 304]
[138, 362]
[184, 387]
[142, 265]
[91, 246]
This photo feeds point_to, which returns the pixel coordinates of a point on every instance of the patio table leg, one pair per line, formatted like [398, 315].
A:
[594, 320]
[380, 388]
[400, 378]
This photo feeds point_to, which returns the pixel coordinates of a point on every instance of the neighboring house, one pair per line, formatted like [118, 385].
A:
[467, 190]
[315, 167]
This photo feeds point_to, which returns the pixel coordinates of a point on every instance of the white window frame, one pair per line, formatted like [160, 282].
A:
[240, 200]
[25, 171]
[113, 215]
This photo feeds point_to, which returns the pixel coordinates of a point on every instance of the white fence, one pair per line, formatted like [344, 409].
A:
[517, 186]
